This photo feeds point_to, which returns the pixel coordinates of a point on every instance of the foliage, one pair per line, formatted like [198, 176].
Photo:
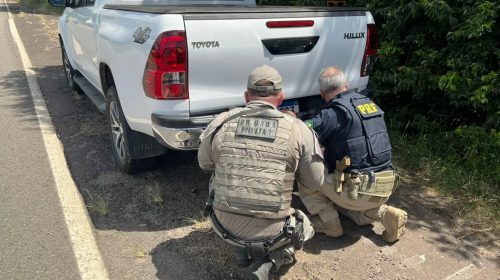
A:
[438, 61]
[42, 5]
[463, 163]
[154, 193]
[97, 202]
[199, 222]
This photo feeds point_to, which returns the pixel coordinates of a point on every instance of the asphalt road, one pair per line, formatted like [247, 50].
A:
[141, 239]
[34, 241]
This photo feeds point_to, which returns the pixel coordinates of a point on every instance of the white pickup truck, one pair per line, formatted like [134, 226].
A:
[161, 70]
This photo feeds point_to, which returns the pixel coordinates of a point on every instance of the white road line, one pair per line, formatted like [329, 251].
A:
[465, 273]
[76, 216]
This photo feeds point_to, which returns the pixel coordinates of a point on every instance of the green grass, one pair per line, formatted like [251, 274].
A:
[154, 193]
[458, 167]
[96, 202]
[198, 222]
[42, 5]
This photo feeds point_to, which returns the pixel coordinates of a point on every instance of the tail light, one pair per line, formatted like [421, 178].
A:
[165, 76]
[370, 50]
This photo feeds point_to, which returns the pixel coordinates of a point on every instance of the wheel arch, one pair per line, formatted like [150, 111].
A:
[106, 76]
[62, 44]
[140, 145]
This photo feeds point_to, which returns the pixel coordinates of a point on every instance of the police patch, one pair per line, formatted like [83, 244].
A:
[257, 127]
[367, 108]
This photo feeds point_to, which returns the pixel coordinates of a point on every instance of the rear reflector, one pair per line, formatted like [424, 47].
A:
[290, 23]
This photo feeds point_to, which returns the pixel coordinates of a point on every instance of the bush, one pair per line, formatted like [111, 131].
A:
[463, 163]
[438, 61]
[464, 160]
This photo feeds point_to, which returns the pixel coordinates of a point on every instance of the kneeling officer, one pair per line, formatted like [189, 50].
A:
[256, 152]
[360, 176]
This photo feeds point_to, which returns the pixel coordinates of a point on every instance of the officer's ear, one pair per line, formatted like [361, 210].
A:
[247, 97]
[281, 97]
[322, 95]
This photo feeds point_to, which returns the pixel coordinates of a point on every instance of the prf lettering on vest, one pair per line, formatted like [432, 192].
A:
[257, 128]
[367, 108]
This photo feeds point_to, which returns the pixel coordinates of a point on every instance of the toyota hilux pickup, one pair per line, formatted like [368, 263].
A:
[161, 70]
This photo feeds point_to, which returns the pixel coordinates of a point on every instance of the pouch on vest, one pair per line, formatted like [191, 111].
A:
[383, 184]
[248, 183]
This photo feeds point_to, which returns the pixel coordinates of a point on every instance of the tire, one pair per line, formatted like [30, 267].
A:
[120, 134]
[69, 72]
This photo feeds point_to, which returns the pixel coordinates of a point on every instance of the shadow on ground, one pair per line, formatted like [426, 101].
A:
[17, 82]
[209, 257]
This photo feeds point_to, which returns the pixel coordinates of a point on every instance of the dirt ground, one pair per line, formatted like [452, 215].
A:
[152, 227]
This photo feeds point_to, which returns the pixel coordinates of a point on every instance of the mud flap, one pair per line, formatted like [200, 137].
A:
[141, 145]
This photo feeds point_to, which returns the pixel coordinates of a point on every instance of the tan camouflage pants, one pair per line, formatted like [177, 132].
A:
[326, 202]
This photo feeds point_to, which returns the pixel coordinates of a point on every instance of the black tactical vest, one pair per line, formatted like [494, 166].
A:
[363, 137]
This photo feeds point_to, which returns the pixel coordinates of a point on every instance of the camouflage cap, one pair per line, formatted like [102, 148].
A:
[264, 72]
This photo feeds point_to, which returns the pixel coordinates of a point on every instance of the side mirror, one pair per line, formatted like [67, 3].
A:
[58, 3]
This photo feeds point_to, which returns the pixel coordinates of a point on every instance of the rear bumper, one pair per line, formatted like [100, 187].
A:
[179, 134]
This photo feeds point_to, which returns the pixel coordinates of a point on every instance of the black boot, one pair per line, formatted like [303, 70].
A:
[262, 269]
[241, 256]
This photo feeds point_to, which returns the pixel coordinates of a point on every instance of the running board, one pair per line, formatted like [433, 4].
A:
[94, 95]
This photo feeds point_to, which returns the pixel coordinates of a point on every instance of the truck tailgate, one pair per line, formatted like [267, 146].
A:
[224, 47]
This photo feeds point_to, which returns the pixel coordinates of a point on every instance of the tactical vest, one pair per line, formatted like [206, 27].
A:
[363, 137]
[254, 175]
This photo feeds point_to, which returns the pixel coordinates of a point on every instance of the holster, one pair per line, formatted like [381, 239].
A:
[353, 185]
[338, 180]
[297, 231]
[260, 249]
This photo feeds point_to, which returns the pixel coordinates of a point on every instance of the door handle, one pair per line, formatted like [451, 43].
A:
[290, 45]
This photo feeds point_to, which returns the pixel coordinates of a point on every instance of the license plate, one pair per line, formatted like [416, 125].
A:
[292, 105]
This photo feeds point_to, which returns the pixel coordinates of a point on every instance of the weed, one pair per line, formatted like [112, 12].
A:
[154, 193]
[97, 202]
[198, 222]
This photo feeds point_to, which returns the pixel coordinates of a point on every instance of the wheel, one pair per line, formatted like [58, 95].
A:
[120, 135]
[69, 72]
[118, 130]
